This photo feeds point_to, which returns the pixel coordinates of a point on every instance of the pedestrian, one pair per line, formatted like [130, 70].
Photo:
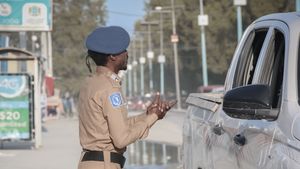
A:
[104, 128]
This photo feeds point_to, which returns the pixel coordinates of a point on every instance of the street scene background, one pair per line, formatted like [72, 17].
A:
[178, 47]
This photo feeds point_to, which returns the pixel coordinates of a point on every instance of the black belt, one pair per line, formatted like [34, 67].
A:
[98, 156]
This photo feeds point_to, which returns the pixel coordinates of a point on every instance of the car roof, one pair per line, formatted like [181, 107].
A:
[292, 19]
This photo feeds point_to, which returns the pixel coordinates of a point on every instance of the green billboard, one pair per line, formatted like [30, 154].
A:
[15, 106]
[25, 15]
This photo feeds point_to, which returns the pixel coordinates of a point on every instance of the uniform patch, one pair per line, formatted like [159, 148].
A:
[116, 99]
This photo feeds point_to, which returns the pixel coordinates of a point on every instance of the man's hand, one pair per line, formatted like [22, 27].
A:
[165, 107]
[154, 106]
[160, 107]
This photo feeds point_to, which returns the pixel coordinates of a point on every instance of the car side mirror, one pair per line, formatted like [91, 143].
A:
[250, 102]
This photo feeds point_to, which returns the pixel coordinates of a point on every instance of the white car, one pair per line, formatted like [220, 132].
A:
[255, 124]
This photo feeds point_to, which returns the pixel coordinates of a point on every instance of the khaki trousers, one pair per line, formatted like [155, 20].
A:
[106, 164]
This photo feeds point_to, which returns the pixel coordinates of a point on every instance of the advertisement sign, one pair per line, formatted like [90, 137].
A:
[25, 15]
[14, 107]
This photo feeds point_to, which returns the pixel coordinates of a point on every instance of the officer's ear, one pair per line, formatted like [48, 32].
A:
[112, 57]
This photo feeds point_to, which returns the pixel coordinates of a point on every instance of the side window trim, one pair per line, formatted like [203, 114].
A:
[263, 58]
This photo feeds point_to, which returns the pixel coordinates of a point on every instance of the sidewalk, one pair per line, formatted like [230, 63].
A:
[60, 150]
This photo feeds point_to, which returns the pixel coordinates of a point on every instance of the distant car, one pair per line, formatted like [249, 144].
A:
[136, 103]
[256, 124]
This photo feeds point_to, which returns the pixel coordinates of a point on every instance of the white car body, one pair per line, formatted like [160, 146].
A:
[237, 130]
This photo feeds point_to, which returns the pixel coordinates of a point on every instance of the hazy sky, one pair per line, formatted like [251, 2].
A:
[124, 13]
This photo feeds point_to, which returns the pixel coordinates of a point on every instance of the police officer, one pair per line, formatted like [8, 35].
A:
[104, 128]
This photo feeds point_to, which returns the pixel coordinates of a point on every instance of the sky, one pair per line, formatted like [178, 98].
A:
[124, 13]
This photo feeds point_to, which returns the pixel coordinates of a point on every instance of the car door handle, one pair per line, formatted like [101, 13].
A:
[218, 129]
[239, 139]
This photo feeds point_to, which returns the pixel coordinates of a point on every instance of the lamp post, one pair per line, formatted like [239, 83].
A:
[129, 67]
[203, 21]
[150, 53]
[174, 39]
[134, 68]
[161, 57]
[238, 4]
[150, 56]
[142, 60]
[161, 61]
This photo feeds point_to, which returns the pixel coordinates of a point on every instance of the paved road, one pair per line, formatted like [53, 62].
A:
[168, 130]
[61, 149]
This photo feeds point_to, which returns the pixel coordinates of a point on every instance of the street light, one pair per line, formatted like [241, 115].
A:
[161, 57]
[129, 68]
[174, 39]
[238, 4]
[142, 62]
[150, 53]
[203, 21]
[134, 68]
[161, 61]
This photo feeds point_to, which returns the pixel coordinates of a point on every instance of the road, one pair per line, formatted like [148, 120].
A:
[61, 149]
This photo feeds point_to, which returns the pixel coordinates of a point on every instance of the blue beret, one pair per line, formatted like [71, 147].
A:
[108, 40]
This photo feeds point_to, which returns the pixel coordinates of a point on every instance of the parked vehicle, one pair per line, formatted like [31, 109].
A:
[255, 124]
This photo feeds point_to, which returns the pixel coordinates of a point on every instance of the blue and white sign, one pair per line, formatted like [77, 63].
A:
[25, 15]
[12, 86]
[15, 107]
[116, 99]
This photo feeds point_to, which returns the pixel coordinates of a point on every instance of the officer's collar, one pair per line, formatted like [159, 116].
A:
[107, 72]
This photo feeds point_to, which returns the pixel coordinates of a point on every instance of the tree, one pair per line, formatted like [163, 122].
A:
[221, 38]
[73, 20]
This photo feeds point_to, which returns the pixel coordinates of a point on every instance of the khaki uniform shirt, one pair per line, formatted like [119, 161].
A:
[103, 121]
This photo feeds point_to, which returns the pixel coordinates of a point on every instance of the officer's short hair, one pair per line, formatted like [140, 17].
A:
[100, 59]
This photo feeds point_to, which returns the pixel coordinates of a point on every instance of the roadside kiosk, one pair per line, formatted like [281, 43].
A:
[20, 88]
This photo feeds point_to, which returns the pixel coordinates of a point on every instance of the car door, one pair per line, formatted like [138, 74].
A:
[258, 60]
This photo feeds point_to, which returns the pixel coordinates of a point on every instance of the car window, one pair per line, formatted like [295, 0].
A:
[249, 56]
[261, 61]
[276, 71]
[271, 64]
[266, 59]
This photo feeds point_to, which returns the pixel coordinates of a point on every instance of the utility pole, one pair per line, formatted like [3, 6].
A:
[238, 4]
[142, 60]
[150, 56]
[129, 70]
[203, 21]
[174, 40]
[161, 57]
[134, 69]
[150, 53]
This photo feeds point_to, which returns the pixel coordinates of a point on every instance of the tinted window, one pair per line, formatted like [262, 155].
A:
[249, 56]
[276, 75]
[269, 69]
